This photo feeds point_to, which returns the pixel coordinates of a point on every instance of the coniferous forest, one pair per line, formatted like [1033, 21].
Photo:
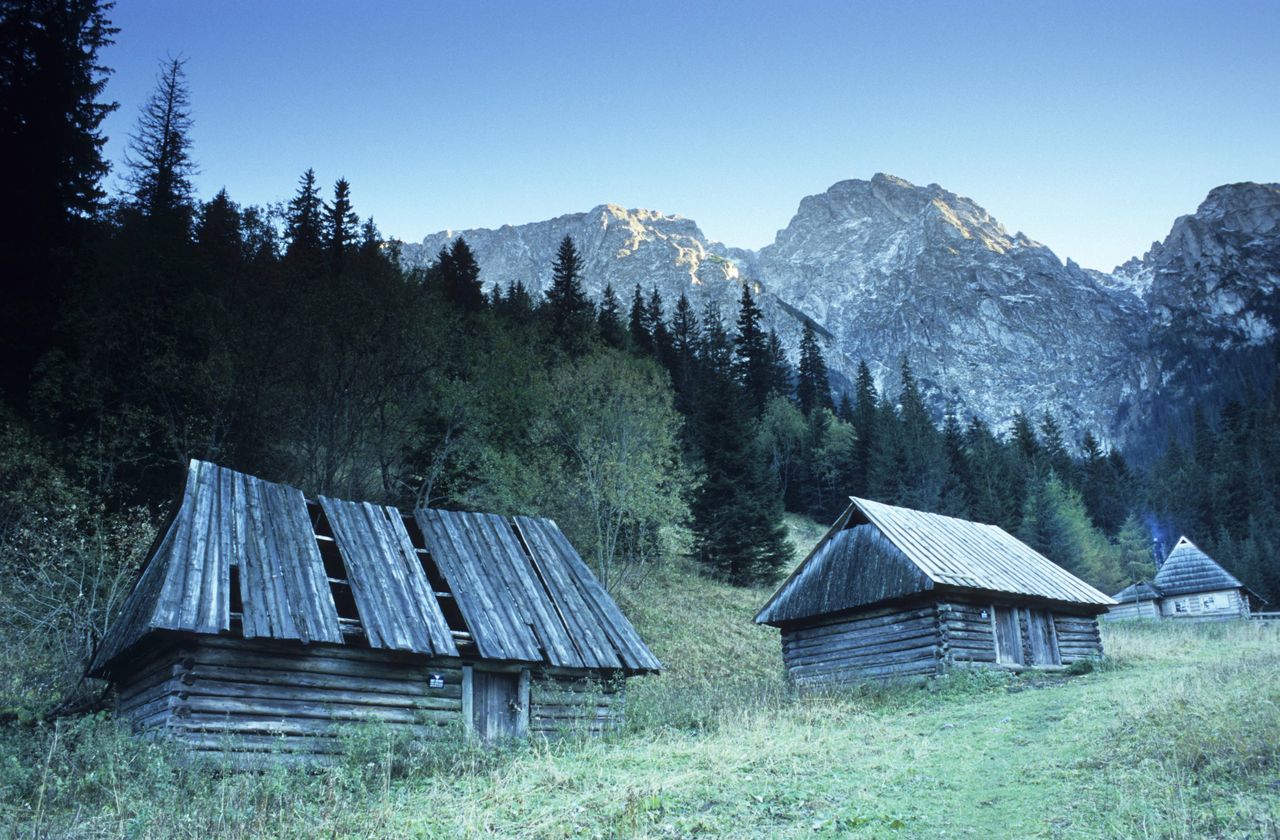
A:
[150, 325]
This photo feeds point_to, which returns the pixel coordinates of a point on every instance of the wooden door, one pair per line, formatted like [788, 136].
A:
[1042, 637]
[1008, 636]
[496, 708]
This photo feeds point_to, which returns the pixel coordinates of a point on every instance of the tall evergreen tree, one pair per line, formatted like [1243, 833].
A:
[1053, 450]
[159, 152]
[460, 279]
[813, 387]
[663, 348]
[924, 463]
[304, 222]
[865, 414]
[610, 319]
[752, 364]
[737, 512]
[780, 377]
[685, 340]
[341, 223]
[571, 313]
[51, 112]
[638, 326]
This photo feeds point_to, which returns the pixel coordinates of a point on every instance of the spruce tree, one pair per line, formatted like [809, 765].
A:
[924, 463]
[460, 281]
[638, 326]
[752, 365]
[685, 340]
[779, 369]
[865, 414]
[663, 348]
[813, 386]
[51, 112]
[1053, 450]
[572, 315]
[739, 535]
[610, 319]
[340, 222]
[303, 221]
[159, 153]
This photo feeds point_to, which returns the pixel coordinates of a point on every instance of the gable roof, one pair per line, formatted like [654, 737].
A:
[524, 593]
[919, 552]
[1140, 591]
[1188, 569]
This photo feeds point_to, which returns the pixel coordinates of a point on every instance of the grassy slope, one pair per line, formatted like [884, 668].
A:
[1178, 736]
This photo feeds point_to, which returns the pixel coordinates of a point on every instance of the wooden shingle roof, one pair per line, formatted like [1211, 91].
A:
[523, 591]
[920, 552]
[1141, 591]
[1188, 569]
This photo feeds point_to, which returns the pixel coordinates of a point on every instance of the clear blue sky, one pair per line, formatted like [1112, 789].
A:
[1089, 126]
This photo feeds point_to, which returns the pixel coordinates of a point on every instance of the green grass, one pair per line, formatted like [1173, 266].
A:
[1175, 735]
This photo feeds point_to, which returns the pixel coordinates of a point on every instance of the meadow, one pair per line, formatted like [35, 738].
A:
[1176, 734]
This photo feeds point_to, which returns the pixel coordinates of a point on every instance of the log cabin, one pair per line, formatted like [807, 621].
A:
[891, 593]
[1188, 586]
[262, 621]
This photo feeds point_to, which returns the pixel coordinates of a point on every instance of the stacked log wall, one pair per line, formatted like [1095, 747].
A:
[1078, 637]
[884, 644]
[967, 634]
[257, 696]
[575, 703]
[1131, 609]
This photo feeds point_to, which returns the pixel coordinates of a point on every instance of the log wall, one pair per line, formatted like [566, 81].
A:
[890, 643]
[575, 703]
[1078, 637]
[968, 636]
[257, 696]
[1133, 609]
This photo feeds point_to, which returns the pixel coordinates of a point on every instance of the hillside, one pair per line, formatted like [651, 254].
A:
[1177, 735]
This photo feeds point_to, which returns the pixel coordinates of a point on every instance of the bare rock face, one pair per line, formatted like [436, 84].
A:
[618, 247]
[1211, 295]
[991, 322]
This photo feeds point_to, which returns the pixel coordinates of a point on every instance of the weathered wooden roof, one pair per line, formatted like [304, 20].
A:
[1188, 569]
[1141, 591]
[920, 552]
[523, 592]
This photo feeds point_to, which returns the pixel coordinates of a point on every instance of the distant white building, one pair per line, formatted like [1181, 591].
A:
[1189, 585]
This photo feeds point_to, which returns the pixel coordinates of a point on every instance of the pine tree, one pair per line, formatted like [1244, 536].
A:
[460, 279]
[303, 221]
[572, 315]
[954, 497]
[685, 340]
[219, 234]
[159, 152]
[51, 114]
[739, 534]
[865, 414]
[924, 463]
[751, 359]
[610, 319]
[340, 222]
[638, 326]
[844, 410]
[813, 386]
[780, 378]
[1053, 450]
[656, 318]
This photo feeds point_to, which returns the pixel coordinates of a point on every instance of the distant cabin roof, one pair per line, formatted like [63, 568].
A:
[1141, 591]
[524, 593]
[1188, 569]
[877, 552]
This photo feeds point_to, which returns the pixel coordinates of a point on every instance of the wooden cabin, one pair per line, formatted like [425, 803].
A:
[262, 620]
[1189, 585]
[893, 593]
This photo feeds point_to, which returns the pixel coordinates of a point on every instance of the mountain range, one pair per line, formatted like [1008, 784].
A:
[991, 322]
